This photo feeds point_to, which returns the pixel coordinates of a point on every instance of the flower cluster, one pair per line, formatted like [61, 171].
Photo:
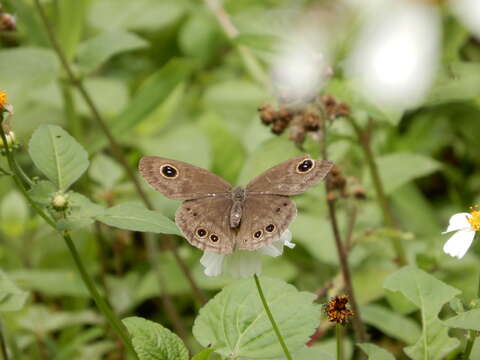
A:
[465, 226]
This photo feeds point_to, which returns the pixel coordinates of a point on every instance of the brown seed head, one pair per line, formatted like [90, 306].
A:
[337, 310]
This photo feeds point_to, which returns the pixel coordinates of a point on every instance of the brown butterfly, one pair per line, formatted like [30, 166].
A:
[220, 218]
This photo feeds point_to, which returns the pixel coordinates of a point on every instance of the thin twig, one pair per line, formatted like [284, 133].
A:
[116, 148]
[342, 254]
[272, 320]
[339, 336]
[364, 140]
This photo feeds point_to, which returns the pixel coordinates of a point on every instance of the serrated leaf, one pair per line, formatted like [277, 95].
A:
[58, 155]
[429, 295]
[375, 352]
[11, 297]
[97, 50]
[398, 169]
[154, 342]
[469, 320]
[391, 323]
[135, 217]
[235, 322]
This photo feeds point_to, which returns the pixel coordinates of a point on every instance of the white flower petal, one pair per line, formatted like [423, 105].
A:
[287, 239]
[243, 264]
[276, 248]
[212, 263]
[458, 222]
[459, 243]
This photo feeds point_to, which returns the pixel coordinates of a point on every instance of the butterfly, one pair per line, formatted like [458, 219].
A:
[220, 218]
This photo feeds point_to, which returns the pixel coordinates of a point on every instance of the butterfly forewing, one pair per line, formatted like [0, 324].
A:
[291, 177]
[264, 220]
[179, 180]
[205, 224]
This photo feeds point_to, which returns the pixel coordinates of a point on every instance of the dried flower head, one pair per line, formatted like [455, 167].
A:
[337, 310]
[8, 22]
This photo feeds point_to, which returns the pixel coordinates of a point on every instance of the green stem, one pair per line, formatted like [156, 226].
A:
[339, 336]
[99, 301]
[272, 320]
[364, 140]
[3, 344]
[472, 334]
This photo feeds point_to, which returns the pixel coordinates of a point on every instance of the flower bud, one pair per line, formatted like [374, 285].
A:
[59, 201]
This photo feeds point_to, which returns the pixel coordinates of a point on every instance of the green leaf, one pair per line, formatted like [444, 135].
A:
[154, 91]
[82, 212]
[345, 90]
[138, 14]
[24, 68]
[398, 169]
[42, 191]
[469, 320]
[41, 320]
[456, 82]
[204, 354]
[154, 342]
[135, 217]
[391, 323]
[99, 49]
[57, 282]
[58, 155]
[11, 297]
[375, 352]
[235, 322]
[228, 151]
[429, 295]
[105, 171]
[13, 214]
[71, 18]
[262, 42]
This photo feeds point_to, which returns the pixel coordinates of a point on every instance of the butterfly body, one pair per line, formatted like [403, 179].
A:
[220, 218]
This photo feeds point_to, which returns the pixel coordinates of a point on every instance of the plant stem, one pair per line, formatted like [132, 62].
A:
[3, 344]
[339, 336]
[272, 320]
[100, 302]
[358, 325]
[472, 334]
[249, 60]
[114, 145]
[364, 140]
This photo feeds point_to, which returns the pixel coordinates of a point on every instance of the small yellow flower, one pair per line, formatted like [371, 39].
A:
[474, 218]
[3, 99]
[337, 310]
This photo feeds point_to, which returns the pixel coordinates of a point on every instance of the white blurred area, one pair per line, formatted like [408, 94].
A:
[302, 68]
[394, 60]
[299, 72]
[468, 12]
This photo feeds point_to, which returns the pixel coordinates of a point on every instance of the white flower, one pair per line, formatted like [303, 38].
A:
[244, 263]
[465, 225]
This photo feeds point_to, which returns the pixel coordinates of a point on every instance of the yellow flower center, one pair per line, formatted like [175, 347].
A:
[3, 99]
[474, 220]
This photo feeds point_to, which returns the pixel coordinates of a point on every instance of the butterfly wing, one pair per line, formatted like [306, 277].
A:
[265, 218]
[205, 223]
[291, 177]
[179, 180]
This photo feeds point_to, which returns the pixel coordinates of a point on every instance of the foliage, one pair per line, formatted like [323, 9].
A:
[164, 78]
